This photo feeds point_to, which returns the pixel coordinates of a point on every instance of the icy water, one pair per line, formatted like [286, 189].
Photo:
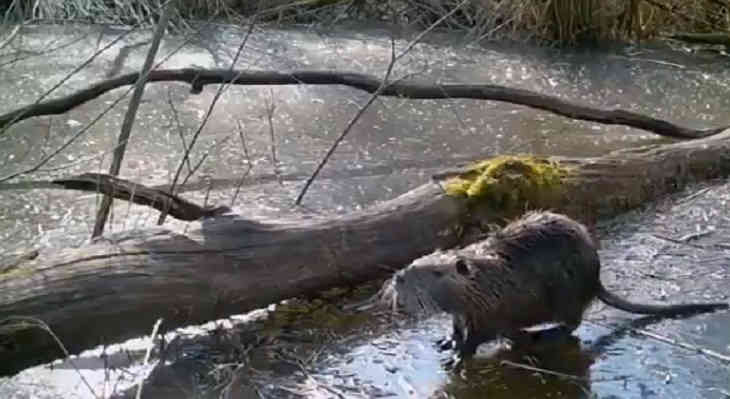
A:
[675, 250]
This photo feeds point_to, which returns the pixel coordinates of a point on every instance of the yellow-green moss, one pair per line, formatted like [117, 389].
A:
[510, 182]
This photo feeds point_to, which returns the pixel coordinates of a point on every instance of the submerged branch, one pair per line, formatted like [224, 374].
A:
[198, 78]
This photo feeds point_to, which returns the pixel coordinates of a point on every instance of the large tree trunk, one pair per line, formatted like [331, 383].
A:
[117, 287]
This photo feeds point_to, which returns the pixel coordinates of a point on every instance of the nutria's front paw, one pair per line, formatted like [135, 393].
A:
[444, 344]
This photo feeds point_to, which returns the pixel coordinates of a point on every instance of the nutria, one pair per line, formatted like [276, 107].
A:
[541, 268]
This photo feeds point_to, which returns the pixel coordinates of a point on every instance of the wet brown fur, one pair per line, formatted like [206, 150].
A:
[541, 268]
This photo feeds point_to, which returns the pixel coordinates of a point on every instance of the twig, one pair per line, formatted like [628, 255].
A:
[683, 345]
[178, 125]
[559, 374]
[543, 371]
[242, 136]
[10, 37]
[103, 213]
[18, 322]
[270, 109]
[694, 195]
[148, 353]
[213, 102]
[680, 241]
[673, 342]
[373, 97]
[202, 159]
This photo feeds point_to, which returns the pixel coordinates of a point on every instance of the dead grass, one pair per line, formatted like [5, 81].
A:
[551, 21]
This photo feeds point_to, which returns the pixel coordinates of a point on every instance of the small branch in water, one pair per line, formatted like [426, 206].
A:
[543, 371]
[673, 342]
[684, 345]
[559, 374]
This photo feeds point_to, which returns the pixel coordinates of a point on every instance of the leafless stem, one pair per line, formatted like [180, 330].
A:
[249, 166]
[673, 342]
[10, 37]
[202, 159]
[373, 97]
[542, 371]
[129, 117]
[270, 110]
[195, 137]
[147, 354]
[179, 127]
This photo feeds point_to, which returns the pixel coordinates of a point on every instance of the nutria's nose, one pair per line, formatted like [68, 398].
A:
[399, 279]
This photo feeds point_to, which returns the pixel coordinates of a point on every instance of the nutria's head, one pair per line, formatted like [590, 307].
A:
[431, 284]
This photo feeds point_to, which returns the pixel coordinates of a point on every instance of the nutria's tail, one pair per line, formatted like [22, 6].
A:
[663, 310]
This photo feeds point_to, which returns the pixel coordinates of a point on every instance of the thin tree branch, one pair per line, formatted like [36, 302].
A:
[129, 117]
[249, 166]
[199, 78]
[270, 110]
[213, 102]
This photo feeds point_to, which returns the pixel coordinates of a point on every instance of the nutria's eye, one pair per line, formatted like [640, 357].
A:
[437, 273]
[462, 267]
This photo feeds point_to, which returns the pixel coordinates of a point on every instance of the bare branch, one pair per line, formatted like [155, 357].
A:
[249, 166]
[218, 94]
[106, 203]
[198, 78]
[270, 110]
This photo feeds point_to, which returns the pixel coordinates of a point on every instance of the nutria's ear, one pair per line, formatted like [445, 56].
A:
[462, 267]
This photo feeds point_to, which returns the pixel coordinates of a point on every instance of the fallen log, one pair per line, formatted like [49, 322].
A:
[116, 287]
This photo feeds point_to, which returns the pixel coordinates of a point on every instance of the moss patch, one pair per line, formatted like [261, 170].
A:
[510, 182]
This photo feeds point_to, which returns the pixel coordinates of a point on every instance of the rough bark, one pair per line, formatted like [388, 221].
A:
[116, 287]
[198, 78]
